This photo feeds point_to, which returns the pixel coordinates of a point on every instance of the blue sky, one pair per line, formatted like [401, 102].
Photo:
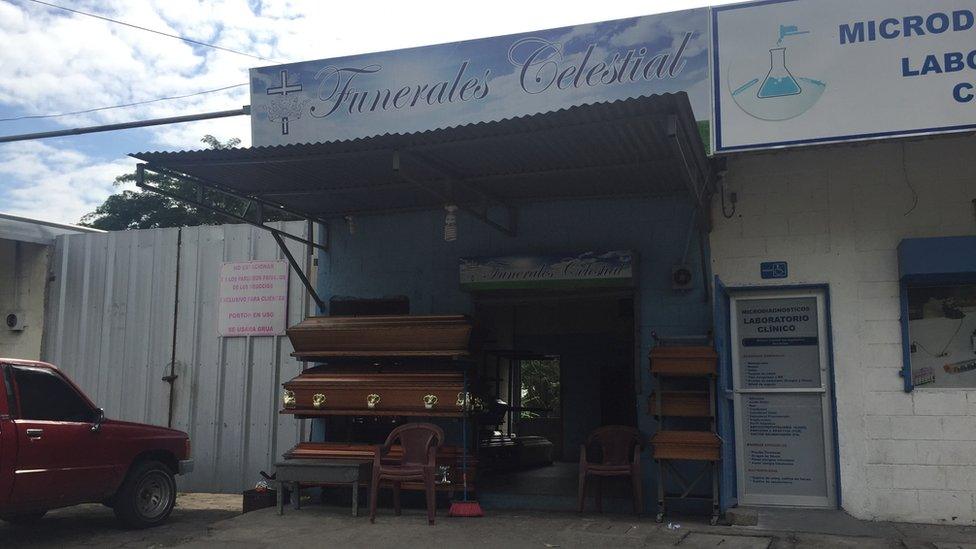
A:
[63, 62]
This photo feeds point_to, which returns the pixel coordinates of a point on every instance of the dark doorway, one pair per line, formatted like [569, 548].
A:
[554, 367]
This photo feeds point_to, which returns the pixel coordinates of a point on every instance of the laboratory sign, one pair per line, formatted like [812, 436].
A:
[481, 80]
[780, 386]
[792, 72]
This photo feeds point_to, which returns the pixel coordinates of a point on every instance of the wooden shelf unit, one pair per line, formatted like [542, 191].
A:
[694, 369]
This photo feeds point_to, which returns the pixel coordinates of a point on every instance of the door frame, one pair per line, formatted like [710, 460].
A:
[831, 443]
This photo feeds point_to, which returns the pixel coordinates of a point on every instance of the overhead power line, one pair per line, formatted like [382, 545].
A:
[176, 36]
[245, 110]
[96, 109]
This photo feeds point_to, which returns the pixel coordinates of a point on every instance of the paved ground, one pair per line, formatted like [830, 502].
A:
[95, 525]
[208, 520]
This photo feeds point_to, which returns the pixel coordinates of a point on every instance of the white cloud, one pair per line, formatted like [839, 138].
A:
[55, 184]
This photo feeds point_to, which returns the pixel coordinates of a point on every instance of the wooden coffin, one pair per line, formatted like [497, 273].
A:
[684, 361]
[692, 445]
[380, 336]
[449, 456]
[320, 392]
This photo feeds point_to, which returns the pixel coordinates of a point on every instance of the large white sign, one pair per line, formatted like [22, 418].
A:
[480, 80]
[793, 72]
[253, 298]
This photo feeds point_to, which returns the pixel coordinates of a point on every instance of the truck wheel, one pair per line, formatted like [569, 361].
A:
[23, 518]
[147, 496]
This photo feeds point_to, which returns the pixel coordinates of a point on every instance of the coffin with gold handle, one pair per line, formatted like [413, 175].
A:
[357, 391]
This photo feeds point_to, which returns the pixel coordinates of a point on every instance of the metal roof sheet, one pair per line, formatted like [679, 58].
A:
[36, 231]
[620, 148]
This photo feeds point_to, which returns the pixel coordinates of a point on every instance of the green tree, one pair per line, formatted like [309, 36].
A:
[540, 388]
[142, 209]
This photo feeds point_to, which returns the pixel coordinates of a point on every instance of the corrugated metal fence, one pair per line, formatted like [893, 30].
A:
[124, 308]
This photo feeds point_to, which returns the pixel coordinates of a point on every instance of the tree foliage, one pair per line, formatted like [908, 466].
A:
[143, 209]
[540, 388]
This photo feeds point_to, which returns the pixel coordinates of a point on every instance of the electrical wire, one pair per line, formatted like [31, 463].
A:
[943, 353]
[725, 214]
[904, 170]
[176, 36]
[146, 102]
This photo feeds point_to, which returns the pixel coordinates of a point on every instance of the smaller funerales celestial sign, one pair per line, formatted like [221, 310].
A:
[253, 298]
[524, 272]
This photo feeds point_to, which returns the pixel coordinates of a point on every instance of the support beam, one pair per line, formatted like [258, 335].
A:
[481, 216]
[203, 183]
[454, 181]
[298, 270]
[277, 234]
[243, 111]
[141, 183]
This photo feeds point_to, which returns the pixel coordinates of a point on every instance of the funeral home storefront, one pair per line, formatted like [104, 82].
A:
[785, 181]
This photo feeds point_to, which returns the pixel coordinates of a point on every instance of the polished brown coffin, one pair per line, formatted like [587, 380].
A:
[380, 336]
[684, 361]
[321, 391]
[449, 456]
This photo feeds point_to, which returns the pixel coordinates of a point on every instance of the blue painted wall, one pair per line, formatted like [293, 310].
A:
[405, 254]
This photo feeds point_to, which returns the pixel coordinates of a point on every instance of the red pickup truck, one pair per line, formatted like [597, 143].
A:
[58, 449]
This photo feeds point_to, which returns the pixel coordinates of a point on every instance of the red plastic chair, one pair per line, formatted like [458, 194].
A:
[420, 442]
[621, 448]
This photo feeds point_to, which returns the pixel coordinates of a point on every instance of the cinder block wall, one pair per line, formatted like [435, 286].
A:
[837, 215]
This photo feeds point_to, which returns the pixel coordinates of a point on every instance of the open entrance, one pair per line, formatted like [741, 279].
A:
[554, 367]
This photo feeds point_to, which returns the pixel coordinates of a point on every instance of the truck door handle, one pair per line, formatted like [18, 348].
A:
[35, 433]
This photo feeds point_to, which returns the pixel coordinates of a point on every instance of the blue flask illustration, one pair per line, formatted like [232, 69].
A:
[779, 82]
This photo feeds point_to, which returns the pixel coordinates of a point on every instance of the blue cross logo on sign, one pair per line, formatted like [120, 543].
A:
[774, 269]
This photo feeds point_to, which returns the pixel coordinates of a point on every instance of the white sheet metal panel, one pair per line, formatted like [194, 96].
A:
[227, 392]
[111, 327]
[111, 318]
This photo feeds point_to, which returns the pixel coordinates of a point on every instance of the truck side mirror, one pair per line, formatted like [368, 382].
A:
[97, 423]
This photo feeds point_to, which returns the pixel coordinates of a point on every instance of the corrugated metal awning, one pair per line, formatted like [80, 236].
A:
[647, 146]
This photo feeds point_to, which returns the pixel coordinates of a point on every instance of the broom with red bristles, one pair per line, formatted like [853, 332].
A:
[465, 507]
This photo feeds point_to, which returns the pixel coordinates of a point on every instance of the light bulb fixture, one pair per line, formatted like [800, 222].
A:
[450, 223]
[350, 224]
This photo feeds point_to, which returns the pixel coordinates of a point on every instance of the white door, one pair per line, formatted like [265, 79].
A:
[783, 415]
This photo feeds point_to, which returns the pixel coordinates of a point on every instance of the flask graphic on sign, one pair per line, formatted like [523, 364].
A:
[779, 82]
[784, 93]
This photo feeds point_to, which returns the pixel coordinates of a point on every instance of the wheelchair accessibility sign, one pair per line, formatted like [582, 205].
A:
[774, 269]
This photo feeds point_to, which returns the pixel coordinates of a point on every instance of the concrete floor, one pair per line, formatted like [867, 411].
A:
[535, 529]
[208, 520]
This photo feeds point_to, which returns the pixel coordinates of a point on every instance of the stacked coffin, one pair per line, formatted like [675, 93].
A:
[381, 366]
[369, 390]
[380, 336]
